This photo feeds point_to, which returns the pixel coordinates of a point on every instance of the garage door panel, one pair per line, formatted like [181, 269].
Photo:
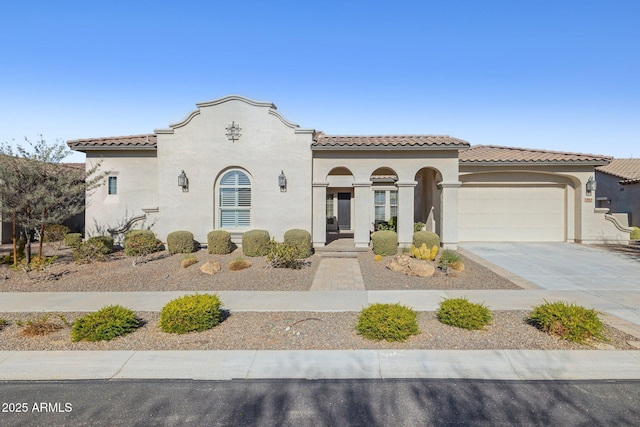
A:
[512, 213]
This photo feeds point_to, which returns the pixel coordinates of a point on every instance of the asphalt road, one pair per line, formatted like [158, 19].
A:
[321, 403]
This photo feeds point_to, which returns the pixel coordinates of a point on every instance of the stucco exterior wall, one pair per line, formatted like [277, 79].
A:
[268, 145]
[620, 198]
[137, 189]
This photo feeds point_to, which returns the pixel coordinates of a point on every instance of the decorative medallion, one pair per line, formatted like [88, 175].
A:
[233, 132]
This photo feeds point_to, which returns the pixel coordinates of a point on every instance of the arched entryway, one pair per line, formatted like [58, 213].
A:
[339, 204]
[427, 199]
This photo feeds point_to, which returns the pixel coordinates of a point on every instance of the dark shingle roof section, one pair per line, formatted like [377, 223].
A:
[627, 169]
[144, 142]
[387, 141]
[509, 155]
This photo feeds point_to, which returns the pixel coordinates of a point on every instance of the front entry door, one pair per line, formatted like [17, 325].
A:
[344, 211]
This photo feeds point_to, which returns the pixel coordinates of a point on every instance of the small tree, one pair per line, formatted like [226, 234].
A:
[38, 190]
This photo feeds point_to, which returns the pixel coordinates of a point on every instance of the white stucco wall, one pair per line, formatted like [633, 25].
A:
[268, 145]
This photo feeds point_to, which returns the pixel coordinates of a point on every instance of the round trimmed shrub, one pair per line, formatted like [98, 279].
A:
[385, 242]
[105, 324]
[73, 240]
[104, 244]
[256, 243]
[427, 237]
[567, 321]
[141, 242]
[301, 240]
[389, 322]
[461, 313]
[190, 313]
[55, 233]
[180, 242]
[219, 242]
[635, 234]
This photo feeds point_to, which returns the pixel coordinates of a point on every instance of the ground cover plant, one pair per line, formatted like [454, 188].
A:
[42, 325]
[389, 322]
[191, 313]
[105, 324]
[239, 264]
[568, 321]
[461, 313]
[450, 259]
[188, 261]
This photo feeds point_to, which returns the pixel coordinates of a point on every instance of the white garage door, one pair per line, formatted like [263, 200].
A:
[512, 213]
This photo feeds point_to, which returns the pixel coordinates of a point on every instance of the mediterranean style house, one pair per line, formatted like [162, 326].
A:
[619, 188]
[238, 164]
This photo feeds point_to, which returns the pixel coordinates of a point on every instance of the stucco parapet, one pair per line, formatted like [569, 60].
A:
[406, 183]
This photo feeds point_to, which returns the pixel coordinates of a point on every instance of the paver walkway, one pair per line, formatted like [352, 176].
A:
[338, 274]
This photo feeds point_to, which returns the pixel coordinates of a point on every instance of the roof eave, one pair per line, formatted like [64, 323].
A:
[83, 148]
[386, 147]
[533, 163]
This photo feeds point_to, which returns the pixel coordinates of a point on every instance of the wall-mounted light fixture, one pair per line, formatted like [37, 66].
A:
[591, 185]
[282, 181]
[183, 181]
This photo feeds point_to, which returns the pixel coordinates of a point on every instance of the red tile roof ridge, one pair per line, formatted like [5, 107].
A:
[625, 168]
[110, 138]
[536, 150]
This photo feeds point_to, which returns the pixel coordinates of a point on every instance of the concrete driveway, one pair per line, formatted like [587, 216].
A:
[562, 266]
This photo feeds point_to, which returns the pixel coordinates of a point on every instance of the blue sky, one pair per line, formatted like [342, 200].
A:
[557, 75]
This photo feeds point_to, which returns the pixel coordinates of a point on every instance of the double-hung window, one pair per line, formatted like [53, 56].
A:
[235, 200]
[385, 204]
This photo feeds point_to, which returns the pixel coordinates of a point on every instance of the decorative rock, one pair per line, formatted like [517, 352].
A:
[411, 266]
[211, 267]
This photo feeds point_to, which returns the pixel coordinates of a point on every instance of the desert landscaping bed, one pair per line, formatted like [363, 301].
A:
[304, 331]
[162, 272]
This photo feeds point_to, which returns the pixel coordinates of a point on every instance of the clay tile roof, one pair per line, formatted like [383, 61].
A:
[497, 154]
[114, 142]
[382, 141]
[627, 169]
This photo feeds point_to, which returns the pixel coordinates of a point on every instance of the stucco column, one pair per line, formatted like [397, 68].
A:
[319, 220]
[449, 214]
[362, 194]
[405, 212]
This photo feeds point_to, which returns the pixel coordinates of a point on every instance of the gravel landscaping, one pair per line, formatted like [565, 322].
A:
[303, 331]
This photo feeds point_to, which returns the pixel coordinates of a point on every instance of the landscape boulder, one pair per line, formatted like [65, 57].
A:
[411, 266]
[211, 267]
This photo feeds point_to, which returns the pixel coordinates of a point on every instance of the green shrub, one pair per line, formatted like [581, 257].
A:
[141, 243]
[389, 322]
[73, 240]
[461, 313]
[391, 225]
[256, 243]
[103, 243]
[219, 242]
[105, 324]
[635, 234]
[3, 323]
[301, 239]
[567, 321]
[189, 313]
[55, 233]
[94, 249]
[427, 237]
[449, 258]
[418, 226]
[283, 255]
[384, 242]
[180, 242]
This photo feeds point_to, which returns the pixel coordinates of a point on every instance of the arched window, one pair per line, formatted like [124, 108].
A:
[235, 200]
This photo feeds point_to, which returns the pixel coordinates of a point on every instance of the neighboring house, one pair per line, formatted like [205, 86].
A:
[246, 167]
[619, 188]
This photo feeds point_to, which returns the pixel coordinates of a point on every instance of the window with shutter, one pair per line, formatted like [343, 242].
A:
[235, 200]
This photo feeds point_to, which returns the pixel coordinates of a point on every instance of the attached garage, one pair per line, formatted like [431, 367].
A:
[525, 213]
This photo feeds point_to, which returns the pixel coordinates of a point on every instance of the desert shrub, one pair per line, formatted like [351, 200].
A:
[301, 240]
[105, 324]
[239, 264]
[418, 226]
[3, 323]
[189, 313]
[73, 240]
[389, 322]
[451, 259]
[283, 255]
[391, 225]
[55, 234]
[219, 242]
[94, 249]
[461, 313]
[635, 234]
[188, 261]
[37, 264]
[567, 321]
[384, 242]
[377, 258]
[426, 237]
[42, 325]
[103, 243]
[137, 242]
[256, 243]
[180, 242]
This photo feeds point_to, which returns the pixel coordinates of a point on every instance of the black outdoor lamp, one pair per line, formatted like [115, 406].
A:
[282, 181]
[591, 185]
[183, 181]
